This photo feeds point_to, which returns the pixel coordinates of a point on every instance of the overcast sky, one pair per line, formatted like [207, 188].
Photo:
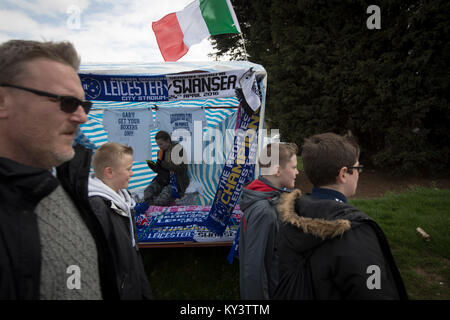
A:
[101, 30]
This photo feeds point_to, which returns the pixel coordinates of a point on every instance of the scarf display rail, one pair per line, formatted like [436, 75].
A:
[182, 226]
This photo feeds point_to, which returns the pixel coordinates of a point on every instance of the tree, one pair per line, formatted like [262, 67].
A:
[328, 72]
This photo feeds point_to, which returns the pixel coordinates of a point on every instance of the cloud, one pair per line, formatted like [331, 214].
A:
[50, 8]
[16, 22]
[101, 30]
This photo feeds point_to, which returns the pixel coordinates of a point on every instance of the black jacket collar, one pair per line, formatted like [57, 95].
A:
[25, 184]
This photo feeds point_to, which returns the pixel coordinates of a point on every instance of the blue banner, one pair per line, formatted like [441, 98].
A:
[162, 234]
[237, 171]
[125, 88]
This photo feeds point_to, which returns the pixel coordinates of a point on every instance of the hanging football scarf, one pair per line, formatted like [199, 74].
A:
[234, 251]
[173, 185]
[238, 167]
[173, 182]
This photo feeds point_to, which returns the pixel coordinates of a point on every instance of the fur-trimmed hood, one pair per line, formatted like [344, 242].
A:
[317, 220]
[321, 228]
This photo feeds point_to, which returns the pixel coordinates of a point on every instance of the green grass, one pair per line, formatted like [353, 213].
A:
[204, 273]
[299, 164]
[424, 265]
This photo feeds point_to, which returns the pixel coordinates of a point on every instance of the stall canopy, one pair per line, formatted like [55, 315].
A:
[129, 98]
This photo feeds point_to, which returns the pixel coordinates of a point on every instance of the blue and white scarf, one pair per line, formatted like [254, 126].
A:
[235, 174]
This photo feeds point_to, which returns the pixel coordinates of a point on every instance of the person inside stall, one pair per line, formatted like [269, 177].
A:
[171, 168]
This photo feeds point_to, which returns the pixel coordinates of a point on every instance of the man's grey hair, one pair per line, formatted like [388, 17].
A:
[15, 53]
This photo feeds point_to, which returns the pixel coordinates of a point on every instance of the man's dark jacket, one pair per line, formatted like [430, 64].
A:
[131, 277]
[21, 189]
[346, 248]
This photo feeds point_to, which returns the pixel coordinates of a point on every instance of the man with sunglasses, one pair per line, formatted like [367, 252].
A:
[329, 249]
[51, 245]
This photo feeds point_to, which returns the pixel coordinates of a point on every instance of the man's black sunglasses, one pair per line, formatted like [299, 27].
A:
[359, 168]
[68, 104]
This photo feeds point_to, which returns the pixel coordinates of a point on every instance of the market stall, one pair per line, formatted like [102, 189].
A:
[197, 104]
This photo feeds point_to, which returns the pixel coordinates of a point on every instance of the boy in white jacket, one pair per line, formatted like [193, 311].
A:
[113, 205]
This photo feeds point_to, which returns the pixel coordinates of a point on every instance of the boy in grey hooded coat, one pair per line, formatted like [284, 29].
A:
[258, 258]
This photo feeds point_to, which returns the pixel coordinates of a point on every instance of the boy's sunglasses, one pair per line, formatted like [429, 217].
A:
[68, 104]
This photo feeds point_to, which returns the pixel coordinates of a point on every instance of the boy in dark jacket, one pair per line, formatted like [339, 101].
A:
[346, 254]
[258, 259]
[113, 205]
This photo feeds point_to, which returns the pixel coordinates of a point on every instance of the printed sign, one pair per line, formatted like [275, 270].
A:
[124, 88]
[203, 85]
[185, 125]
[131, 127]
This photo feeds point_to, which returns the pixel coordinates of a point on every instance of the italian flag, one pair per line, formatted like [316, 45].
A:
[177, 31]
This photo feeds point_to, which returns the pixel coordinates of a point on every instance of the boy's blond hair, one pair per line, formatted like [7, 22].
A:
[269, 156]
[108, 155]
